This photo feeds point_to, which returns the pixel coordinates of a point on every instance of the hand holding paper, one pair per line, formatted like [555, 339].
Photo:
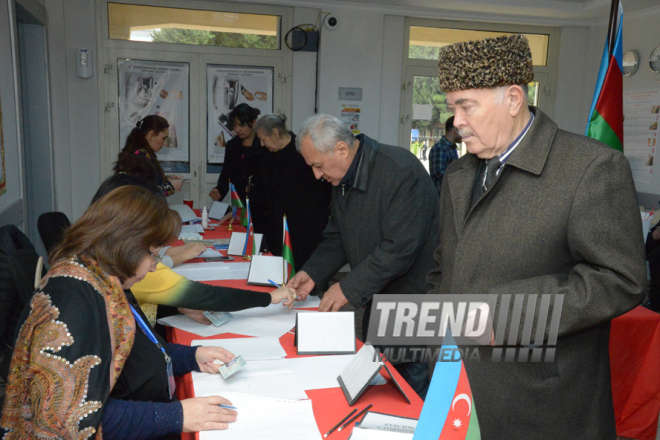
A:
[205, 357]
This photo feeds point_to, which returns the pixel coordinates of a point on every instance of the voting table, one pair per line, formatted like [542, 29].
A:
[634, 360]
[329, 404]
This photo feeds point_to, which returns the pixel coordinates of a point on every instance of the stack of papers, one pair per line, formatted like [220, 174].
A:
[187, 229]
[190, 236]
[273, 419]
[252, 349]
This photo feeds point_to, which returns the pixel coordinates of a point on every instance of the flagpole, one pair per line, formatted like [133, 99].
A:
[284, 280]
[611, 30]
[229, 226]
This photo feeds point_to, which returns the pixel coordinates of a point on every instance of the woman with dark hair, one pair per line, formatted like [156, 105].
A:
[139, 154]
[286, 185]
[242, 154]
[85, 362]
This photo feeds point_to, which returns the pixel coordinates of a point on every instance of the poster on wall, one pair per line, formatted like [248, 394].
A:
[227, 87]
[641, 112]
[156, 88]
[350, 115]
[3, 180]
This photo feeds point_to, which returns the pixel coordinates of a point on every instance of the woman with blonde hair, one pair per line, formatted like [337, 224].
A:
[86, 364]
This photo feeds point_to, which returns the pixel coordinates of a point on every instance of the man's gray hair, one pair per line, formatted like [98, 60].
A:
[325, 131]
[267, 123]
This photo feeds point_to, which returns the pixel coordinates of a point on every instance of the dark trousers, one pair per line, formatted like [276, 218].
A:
[653, 257]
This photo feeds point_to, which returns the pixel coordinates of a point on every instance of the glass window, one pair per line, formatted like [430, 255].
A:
[188, 26]
[425, 42]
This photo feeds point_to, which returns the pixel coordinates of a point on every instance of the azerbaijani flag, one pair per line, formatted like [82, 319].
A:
[448, 412]
[249, 242]
[605, 121]
[236, 205]
[287, 253]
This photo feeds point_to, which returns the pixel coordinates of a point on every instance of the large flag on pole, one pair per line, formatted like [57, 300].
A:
[605, 121]
[249, 241]
[287, 253]
[449, 412]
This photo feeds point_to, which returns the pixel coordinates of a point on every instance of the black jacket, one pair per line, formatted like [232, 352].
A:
[286, 185]
[241, 163]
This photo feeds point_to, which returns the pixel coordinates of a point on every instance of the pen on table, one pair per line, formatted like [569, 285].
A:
[340, 422]
[355, 417]
[222, 405]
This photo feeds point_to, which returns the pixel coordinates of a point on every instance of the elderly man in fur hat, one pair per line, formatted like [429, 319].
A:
[540, 218]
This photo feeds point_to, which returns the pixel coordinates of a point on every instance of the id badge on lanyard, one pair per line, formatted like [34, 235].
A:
[171, 385]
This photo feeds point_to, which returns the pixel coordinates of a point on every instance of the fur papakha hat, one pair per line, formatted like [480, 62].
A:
[486, 64]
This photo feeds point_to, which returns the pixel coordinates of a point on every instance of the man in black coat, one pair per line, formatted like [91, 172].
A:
[383, 222]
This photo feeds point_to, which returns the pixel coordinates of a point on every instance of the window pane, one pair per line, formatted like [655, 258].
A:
[187, 26]
[425, 42]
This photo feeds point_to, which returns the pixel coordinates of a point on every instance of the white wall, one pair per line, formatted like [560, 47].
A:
[11, 200]
[640, 33]
[72, 25]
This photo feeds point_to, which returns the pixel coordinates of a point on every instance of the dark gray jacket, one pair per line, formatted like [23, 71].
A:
[384, 226]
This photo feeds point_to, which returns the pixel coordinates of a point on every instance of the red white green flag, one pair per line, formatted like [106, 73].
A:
[287, 253]
[236, 204]
[249, 241]
[605, 121]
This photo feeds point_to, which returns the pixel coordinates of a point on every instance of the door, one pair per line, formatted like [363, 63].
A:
[175, 85]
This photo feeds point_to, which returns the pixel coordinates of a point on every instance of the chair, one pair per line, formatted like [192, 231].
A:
[51, 226]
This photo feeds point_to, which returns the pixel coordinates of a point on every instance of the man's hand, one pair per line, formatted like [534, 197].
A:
[303, 285]
[656, 234]
[333, 299]
[205, 357]
[195, 315]
[215, 194]
[204, 414]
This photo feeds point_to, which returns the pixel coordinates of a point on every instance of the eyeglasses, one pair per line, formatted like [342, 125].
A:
[156, 257]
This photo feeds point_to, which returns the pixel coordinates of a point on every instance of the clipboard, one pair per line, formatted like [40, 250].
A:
[325, 333]
[359, 373]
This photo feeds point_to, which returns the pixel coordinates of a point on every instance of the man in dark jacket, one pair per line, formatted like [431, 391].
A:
[533, 210]
[383, 222]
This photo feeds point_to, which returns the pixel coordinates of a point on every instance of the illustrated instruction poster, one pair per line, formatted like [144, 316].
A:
[641, 111]
[156, 88]
[227, 87]
[350, 115]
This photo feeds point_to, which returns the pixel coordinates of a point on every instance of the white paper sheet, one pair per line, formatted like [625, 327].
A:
[326, 333]
[311, 301]
[264, 268]
[190, 236]
[259, 378]
[239, 271]
[318, 372]
[387, 422]
[189, 229]
[237, 243]
[372, 434]
[265, 418]
[182, 322]
[205, 271]
[218, 210]
[252, 349]
[185, 212]
[274, 320]
[208, 253]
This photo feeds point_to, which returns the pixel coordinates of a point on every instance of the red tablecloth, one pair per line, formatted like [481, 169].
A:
[329, 405]
[635, 367]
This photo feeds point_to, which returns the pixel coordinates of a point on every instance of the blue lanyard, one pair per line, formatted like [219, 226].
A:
[147, 331]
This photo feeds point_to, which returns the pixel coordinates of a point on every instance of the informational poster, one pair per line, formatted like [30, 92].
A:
[3, 180]
[350, 115]
[156, 88]
[227, 87]
[640, 132]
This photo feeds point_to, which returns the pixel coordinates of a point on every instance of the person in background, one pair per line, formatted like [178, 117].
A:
[653, 257]
[286, 186]
[383, 223]
[85, 362]
[535, 217]
[443, 153]
[243, 154]
[164, 287]
[139, 154]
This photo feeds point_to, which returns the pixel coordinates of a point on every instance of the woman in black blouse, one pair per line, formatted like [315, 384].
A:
[243, 154]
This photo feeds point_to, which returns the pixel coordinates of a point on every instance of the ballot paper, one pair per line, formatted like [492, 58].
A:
[272, 419]
[388, 422]
[184, 323]
[209, 253]
[237, 243]
[319, 372]
[252, 349]
[259, 378]
[185, 212]
[372, 434]
[239, 271]
[218, 210]
[205, 271]
[264, 268]
[188, 229]
[325, 333]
